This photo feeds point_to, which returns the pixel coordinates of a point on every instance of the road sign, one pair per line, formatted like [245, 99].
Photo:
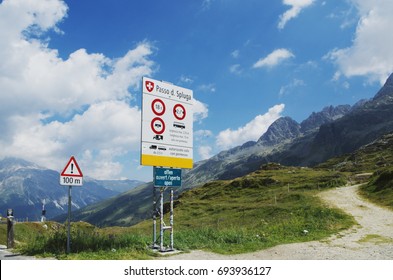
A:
[71, 174]
[167, 125]
[179, 112]
[158, 107]
[167, 177]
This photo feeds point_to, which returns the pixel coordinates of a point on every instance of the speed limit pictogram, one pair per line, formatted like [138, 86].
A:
[158, 107]
[179, 112]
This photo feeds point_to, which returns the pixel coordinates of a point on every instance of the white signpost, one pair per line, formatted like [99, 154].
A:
[167, 141]
[167, 125]
[70, 176]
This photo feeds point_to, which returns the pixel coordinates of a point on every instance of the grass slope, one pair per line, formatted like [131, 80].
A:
[380, 188]
[376, 158]
[268, 207]
[271, 206]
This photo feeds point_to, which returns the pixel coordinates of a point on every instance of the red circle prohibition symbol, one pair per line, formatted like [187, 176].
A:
[158, 107]
[157, 125]
[175, 112]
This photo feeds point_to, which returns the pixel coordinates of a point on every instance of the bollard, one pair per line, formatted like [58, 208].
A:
[10, 229]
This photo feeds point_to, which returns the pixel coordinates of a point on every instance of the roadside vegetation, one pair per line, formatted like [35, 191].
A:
[373, 165]
[380, 188]
[49, 239]
[274, 205]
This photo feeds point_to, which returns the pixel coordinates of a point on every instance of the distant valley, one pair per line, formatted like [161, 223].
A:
[26, 187]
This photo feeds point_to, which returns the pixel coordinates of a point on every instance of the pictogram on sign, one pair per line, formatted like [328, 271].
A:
[158, 107]
[157, 125]
[72, 169]
[179, 112]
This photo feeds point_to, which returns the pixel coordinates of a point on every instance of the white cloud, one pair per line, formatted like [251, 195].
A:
[205, 152]
[235, 69]
[371, 53]
[105, 130]
[274, 58]
[207, 88]
[203, 139]
[284, 90]
[296, 7]
[206, 4]
[53, 107]
[186, 80]
[235, 53]
[200, 110]
[251, 131]
[202, 134]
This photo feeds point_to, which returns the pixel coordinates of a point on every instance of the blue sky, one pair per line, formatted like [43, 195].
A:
[70, 77]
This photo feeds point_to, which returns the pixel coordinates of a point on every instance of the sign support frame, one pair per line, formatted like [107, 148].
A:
[163, 227]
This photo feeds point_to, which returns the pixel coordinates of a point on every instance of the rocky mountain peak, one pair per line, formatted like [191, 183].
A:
[386, 92]
[328, 114]
[284, 128]
[11, 164]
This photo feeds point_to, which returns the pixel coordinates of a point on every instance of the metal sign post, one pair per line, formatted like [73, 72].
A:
[163, 226]
[70, 176]
[69, 221]
[155, 212]
[171, 221]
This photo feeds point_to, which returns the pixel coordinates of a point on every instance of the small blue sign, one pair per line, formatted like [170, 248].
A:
[167, 177]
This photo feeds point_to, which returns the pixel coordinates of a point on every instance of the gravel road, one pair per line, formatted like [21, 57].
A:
[371, 239]
[8, 255]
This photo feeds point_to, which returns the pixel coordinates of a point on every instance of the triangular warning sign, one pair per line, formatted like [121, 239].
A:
[72, 169]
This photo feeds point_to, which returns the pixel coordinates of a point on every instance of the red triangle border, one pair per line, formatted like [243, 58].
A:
[77, 167]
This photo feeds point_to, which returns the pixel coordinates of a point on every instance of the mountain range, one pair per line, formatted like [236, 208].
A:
[332, 132]
[335, 131]
[26, 187]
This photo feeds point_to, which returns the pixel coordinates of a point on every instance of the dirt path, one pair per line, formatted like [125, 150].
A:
[371, 239]
[9, 255]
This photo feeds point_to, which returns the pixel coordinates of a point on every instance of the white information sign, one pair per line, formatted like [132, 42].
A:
[167, 125]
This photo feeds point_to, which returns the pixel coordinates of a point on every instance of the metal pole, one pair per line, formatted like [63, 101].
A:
[154, 218]
[69, 221]
[162, 219]
[171, 219]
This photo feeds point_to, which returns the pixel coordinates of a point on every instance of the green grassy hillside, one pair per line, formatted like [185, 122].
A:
[375, 158]
[369, 158]
[380, 188]
[271, 206]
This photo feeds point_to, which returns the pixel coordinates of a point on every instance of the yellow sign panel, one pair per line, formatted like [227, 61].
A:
[166, 161]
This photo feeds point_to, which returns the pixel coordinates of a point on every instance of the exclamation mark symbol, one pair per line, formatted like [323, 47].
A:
[72, 168]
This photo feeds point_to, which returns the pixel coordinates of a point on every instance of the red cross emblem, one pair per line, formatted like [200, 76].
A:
[149, 86]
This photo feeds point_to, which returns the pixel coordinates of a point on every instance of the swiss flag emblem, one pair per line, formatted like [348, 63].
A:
[149, 86]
